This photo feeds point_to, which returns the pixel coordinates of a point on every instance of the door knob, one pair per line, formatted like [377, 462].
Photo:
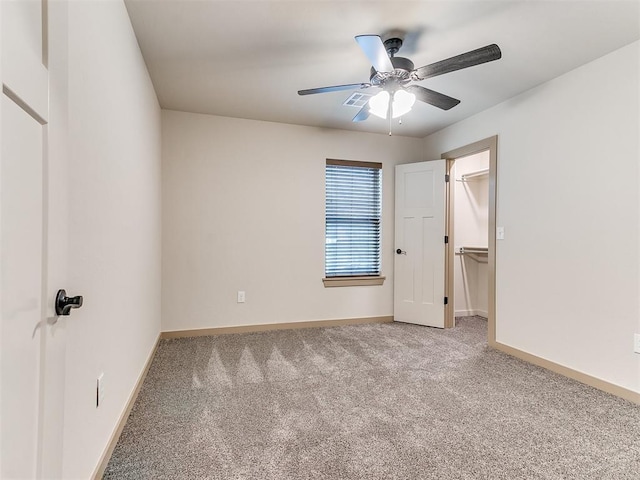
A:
[401, 252]
[64, 304]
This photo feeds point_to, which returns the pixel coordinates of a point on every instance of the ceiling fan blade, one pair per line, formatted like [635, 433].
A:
[475, 57]
[436, 99]
[334, 88]
[373, 48]
[363, 114]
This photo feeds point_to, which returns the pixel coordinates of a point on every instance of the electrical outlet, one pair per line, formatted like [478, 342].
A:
[636, 342]
[241, 296]
[100, 390]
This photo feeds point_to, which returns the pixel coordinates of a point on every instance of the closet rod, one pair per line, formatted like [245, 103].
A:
[466, 176]
[476, 250]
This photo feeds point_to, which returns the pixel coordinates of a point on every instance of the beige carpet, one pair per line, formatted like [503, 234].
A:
[382, 401]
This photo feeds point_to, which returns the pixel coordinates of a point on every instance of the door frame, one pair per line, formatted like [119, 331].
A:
[490, 144]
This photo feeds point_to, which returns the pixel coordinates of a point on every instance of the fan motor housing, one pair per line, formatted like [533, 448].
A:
[402, 68]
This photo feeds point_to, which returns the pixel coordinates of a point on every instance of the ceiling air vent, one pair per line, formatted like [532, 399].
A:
[357, 100]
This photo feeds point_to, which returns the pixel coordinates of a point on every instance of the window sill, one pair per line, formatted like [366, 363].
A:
[352, 281]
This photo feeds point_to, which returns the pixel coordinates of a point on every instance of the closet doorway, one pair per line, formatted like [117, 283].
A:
[471, 227]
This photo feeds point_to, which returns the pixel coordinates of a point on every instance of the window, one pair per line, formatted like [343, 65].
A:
[352, 223]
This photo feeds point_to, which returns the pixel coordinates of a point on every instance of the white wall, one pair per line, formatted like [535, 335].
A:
[471, 223]
[567, 271]
[243, 209]
[113, 224]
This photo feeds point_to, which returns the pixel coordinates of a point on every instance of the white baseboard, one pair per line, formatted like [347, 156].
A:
[594, 382]
[115, 435]
[471, 313]
[273, 326]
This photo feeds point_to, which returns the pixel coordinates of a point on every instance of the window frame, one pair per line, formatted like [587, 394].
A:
[354, 280]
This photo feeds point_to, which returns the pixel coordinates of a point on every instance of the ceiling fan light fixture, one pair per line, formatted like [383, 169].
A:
[395, 76]
[379, 105]
[402, 103]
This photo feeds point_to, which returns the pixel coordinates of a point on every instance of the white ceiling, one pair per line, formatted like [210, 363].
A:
[248, 59]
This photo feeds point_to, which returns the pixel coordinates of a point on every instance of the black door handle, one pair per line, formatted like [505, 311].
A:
[64, 304]
[401, 252]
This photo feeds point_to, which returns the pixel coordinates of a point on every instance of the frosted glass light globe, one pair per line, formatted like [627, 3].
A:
[379, 105]
[402, 103]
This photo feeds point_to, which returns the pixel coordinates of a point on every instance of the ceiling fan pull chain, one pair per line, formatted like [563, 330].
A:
[389, 111]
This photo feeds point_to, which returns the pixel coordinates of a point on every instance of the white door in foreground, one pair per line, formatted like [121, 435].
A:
[419, 243]
[23, 187]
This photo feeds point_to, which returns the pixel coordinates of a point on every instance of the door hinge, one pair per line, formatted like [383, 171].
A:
[446, 177]
[446, 239]
[446, 300]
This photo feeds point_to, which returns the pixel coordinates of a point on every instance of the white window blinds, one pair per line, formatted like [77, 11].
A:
[352, 221]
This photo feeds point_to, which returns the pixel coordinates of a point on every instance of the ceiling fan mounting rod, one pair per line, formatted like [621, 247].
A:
[392, 45]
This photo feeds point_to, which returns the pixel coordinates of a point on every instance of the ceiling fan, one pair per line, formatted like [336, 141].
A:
[394, 76]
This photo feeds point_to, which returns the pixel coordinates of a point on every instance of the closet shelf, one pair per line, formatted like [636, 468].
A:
[468, 176]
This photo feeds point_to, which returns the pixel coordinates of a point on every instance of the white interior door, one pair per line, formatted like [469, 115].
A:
[21, 289]
[23, 259]
[419, 268]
